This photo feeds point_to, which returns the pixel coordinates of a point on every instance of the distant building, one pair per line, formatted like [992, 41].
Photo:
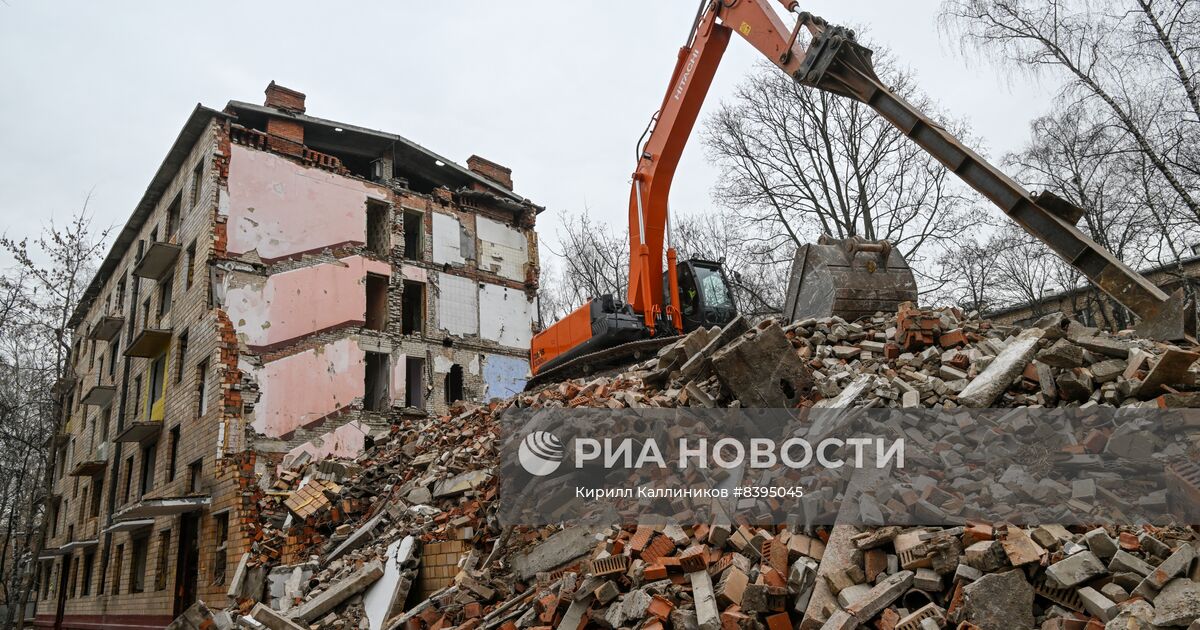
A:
[1094, 308]
[287, 286]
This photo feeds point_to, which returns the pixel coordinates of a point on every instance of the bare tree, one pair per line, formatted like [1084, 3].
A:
[759, 279]
[973, 266]
[591, 260]
[1085, 43]
[39, 297]
[1025, 269]
[798, 162]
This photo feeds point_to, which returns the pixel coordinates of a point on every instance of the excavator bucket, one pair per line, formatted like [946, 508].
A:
[849, 278]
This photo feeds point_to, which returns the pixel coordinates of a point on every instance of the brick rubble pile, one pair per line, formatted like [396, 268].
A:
[406, 535]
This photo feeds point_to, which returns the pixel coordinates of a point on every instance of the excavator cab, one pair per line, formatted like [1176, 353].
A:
[705, 297]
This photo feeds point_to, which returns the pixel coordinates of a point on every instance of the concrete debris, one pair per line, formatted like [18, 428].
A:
[406, 536]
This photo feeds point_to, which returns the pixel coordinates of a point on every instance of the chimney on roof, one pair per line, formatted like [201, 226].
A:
[283, 98]
[500, 174]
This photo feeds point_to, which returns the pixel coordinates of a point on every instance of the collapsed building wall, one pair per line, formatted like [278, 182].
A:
[274, 298]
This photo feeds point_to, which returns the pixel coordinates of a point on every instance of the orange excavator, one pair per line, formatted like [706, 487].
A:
[845, 277]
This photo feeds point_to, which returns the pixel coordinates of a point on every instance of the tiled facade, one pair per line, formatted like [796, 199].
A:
[286, 286]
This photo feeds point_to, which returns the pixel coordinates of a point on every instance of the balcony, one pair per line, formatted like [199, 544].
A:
[140, 431]
[106, 328]
[95, 462]
[88, 468]
[151, 508]
[149, 343]
[99, 395]
[131, 525]
[50, 553]
[70, 547]
[157, 261]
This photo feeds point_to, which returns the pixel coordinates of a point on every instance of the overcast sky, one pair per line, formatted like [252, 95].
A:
[95, 92]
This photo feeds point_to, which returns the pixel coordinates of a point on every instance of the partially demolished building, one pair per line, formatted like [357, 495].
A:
[286, 286]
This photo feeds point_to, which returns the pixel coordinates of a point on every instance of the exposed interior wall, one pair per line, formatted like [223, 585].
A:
[503, 376]
[510, 315]
[502, 250]
[299, 390]
[278, 208]
[289, 305]
[448, 240]
[458, 305]
[347, 440]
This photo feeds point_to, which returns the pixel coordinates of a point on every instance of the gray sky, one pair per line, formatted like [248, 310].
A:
[93, 95]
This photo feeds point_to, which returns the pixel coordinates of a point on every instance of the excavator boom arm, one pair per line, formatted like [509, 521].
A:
[834, 61]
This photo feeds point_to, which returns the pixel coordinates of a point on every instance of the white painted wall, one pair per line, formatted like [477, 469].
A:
[506, 315]
[447, 243]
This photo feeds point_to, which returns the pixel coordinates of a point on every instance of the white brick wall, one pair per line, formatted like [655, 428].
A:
[458, 305]
[502, 250]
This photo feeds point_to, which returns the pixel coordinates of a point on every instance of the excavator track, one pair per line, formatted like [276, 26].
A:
[588, 364]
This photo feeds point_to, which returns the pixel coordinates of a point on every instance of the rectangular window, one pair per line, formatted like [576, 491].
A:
[158, 384]
[128, 479]
[375, 392]
[412, 308]
[181, 360]
[149, 458]
[173, 216]
[89, 563]
[137, 397]
[221, 523]
[414, 382]
[118, 564]
[414, 235]
[72, 576]
[120, 298]
[378, 237]
[103, 422]
[189, 272]
[97, 494]
[195, 483]
[173, 455]
[202, 388]
[137, 568]
[377, 302]
[197, 183]
[165, 299]
[47, 569]
[112, 358]
[146, 321]
[160, 568]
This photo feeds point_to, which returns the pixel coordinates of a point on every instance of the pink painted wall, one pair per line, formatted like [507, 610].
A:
[303, 388]
[346, 441]
[416, 274]
[295, 303]
[279, 208]
[398, 378]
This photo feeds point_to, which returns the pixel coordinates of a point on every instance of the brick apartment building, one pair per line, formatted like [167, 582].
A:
[1090, 306]
[286, 286]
